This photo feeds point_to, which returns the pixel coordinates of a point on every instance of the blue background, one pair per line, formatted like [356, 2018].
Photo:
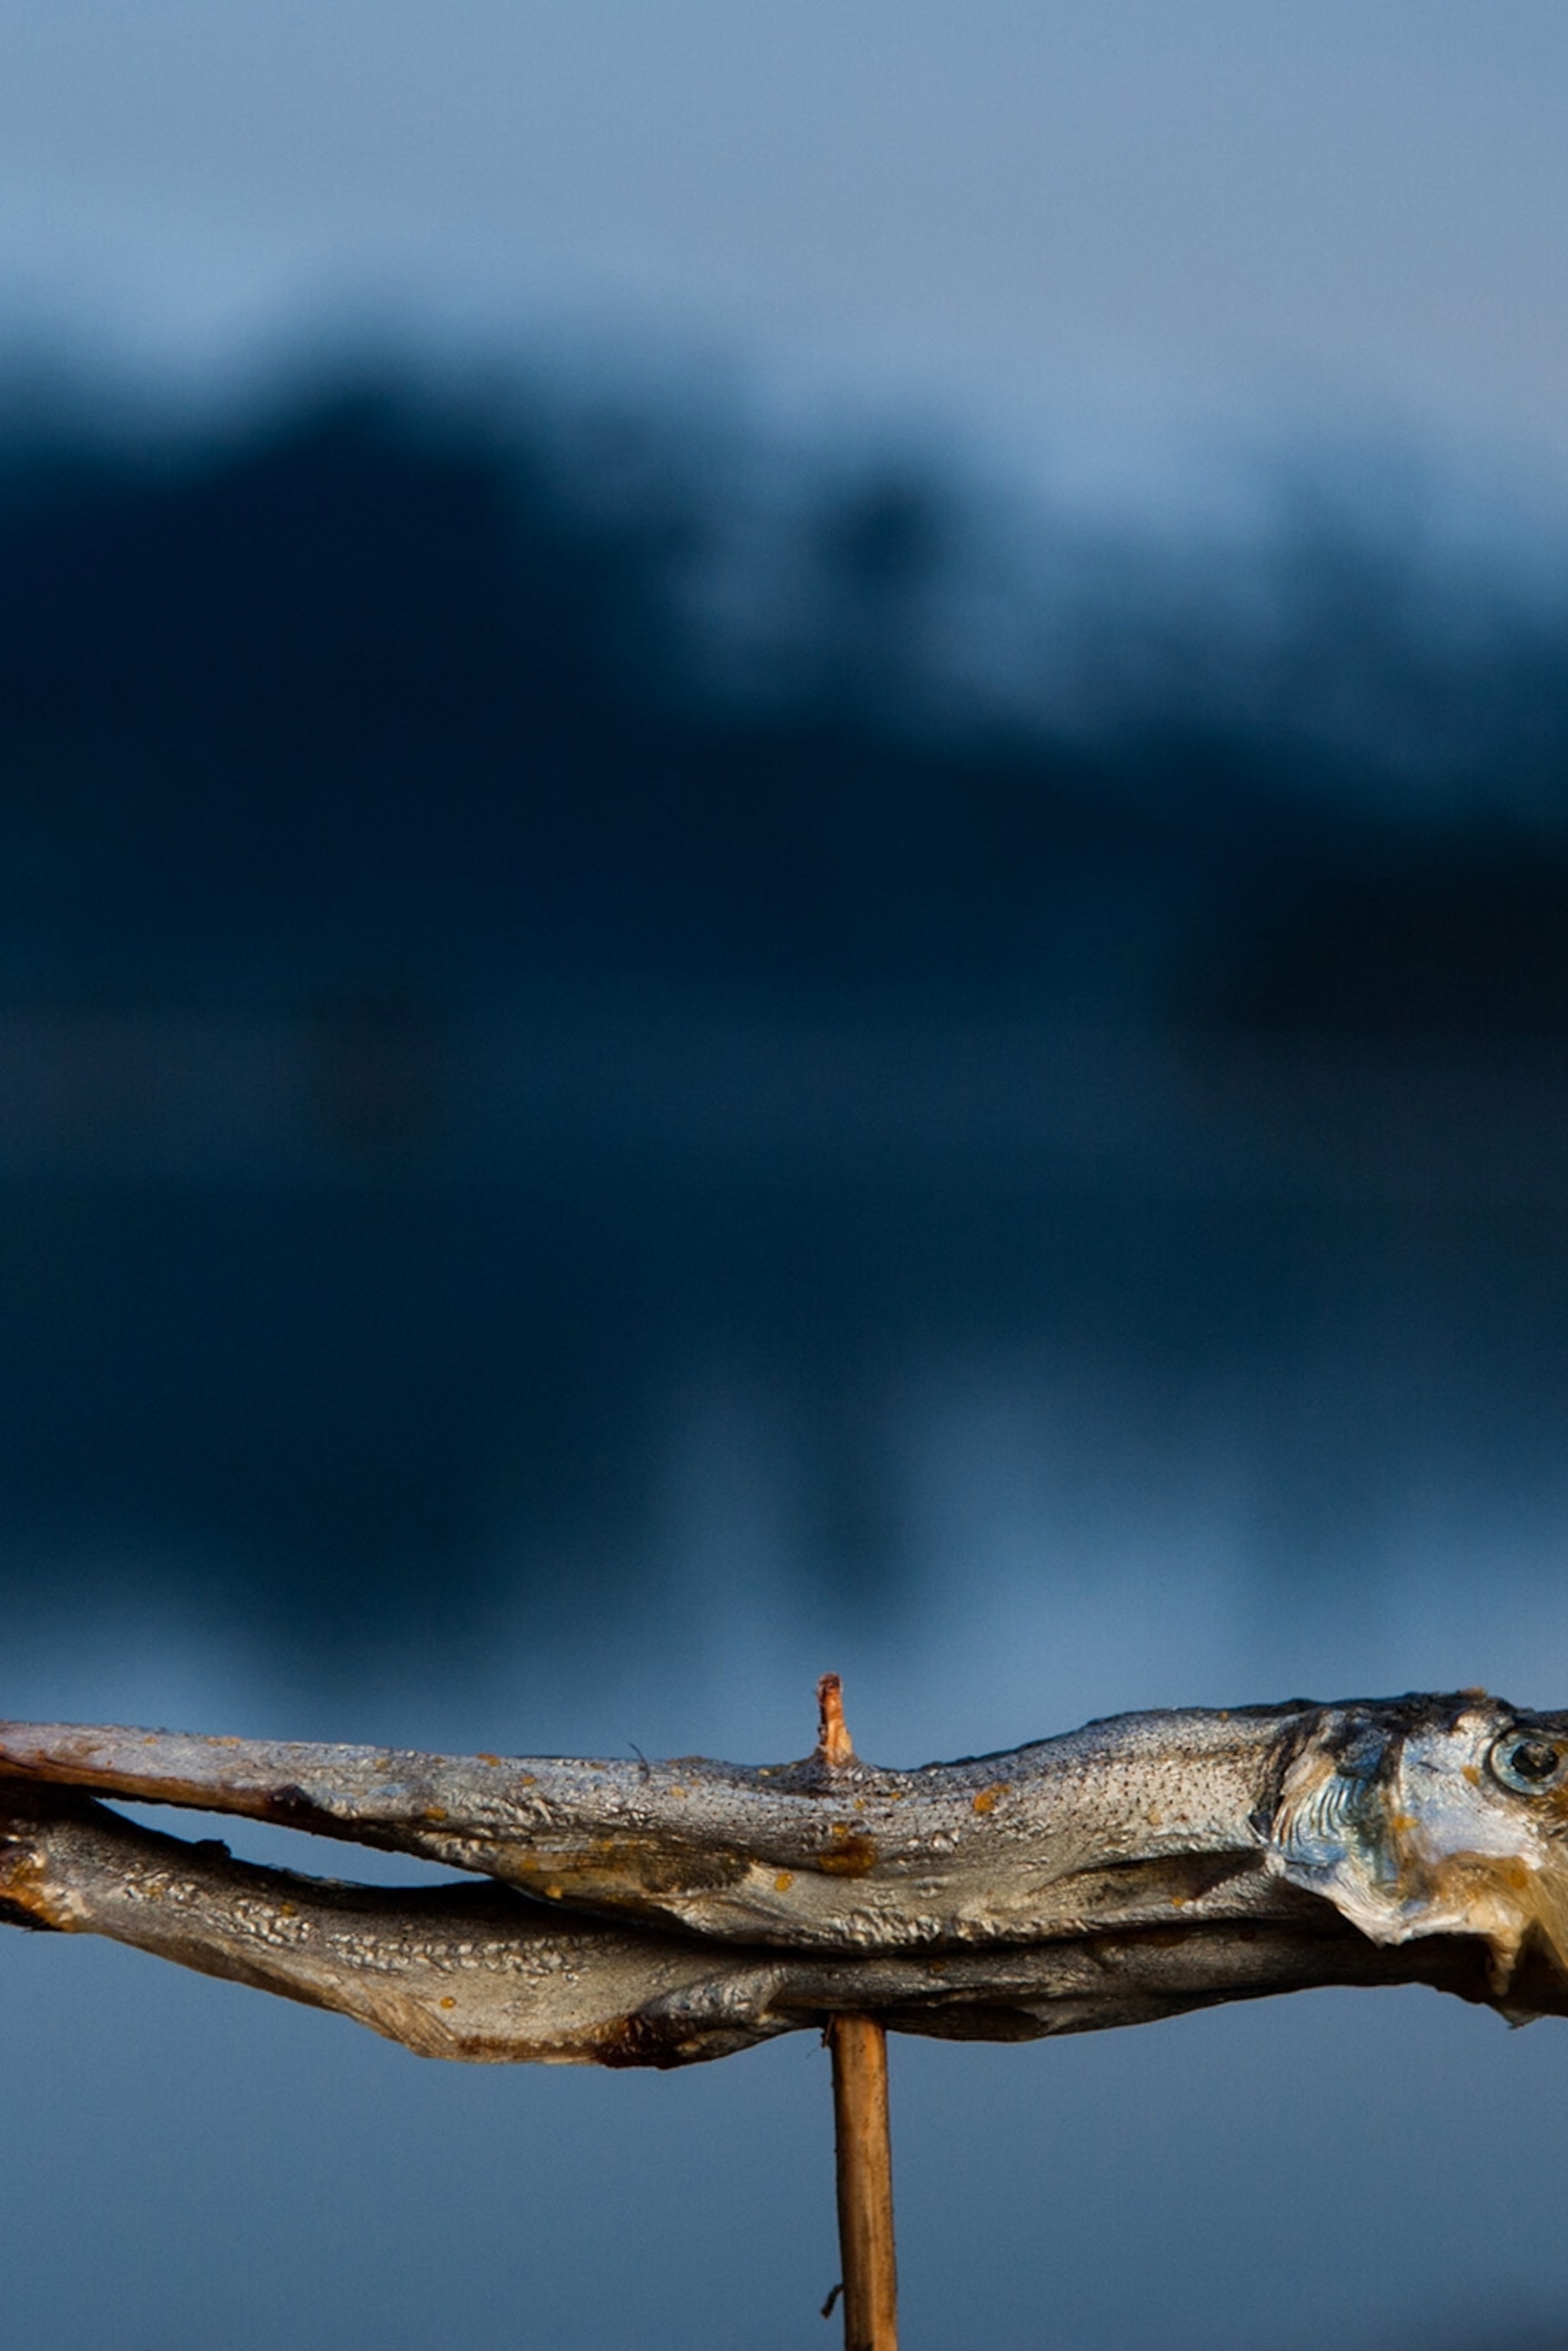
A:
[783, 884]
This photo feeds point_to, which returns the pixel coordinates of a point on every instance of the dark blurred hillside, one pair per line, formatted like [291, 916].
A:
[358, 702]
[439, 1016]
[367, 699]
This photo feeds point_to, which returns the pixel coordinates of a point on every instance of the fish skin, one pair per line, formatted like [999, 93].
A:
[1113, 1823]
[1389, 1810]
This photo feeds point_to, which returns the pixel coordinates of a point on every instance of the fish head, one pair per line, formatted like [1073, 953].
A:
[1433, 1817]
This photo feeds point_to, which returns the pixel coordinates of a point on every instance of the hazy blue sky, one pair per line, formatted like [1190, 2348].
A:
[1216, 208]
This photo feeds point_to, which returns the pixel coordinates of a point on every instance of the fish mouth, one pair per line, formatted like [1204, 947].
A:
[1454, 1821]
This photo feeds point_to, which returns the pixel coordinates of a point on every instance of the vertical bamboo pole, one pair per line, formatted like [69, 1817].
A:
[864, 2155]
[862, 2149]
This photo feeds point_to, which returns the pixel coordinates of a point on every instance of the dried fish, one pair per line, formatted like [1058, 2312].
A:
[656, 1914]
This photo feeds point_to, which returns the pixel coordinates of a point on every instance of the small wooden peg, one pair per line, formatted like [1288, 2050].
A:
[835, 1744]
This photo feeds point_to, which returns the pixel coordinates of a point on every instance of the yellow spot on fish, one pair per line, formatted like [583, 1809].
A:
[435, 1812]
[489, 1758]
[552, 1894]
[1470, 1773]
[1400, 1822]
[447, 2000]
[850, 1854]
[784, 1881]
[986, 1801]
[528, 1780]
[1155, 1819]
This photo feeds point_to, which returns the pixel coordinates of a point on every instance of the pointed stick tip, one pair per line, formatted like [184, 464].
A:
[835, 1744]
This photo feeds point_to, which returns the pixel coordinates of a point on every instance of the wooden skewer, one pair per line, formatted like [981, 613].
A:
[864, 2155]
[862, 2148]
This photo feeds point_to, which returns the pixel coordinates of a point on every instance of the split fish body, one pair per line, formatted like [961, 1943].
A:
[1413, 1816]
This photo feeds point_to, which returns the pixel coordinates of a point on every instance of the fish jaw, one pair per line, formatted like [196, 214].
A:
[1414, 1820]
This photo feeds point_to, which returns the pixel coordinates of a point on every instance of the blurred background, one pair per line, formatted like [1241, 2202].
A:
[783, 884]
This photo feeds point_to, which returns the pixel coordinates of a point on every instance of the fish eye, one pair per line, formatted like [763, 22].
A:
[1526, 1762]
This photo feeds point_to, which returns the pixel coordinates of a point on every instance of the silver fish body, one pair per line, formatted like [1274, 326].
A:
[1407, 1815]
[1113, 1823]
